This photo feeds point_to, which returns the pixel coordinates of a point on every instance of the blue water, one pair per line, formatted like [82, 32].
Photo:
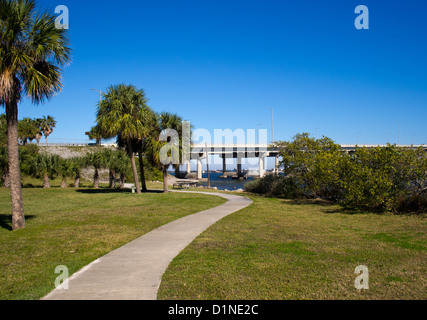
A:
[222, 184]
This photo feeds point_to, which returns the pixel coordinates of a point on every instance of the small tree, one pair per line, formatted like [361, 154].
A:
[65, 170]
[158, 139]
[77, 164]
[47, 124]
[313, 164]
[98, 161]
[46, 167]
[27, 130]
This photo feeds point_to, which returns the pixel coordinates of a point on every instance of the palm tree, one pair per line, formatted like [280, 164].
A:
[156, 142]
[123, 167]
[112, 163]
[98, 161]
[95, 134]
[123, 111]
[45, 166]
[46, 126]
[76, 168]
[65, 170]
[27, 130]
[32, 53]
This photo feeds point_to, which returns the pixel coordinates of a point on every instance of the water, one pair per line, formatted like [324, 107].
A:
[222, 184]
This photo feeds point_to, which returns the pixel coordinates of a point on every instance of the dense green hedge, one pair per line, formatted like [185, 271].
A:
[387, 178]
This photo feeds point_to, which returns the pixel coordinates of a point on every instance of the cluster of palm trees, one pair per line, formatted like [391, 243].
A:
[52, 166]
[123, 114]
[47, 167]
[34, 129]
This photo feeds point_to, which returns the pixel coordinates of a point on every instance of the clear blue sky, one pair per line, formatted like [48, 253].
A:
[219, 64]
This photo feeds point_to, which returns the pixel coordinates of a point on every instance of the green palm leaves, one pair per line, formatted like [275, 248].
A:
[32, 53]
[123, 113]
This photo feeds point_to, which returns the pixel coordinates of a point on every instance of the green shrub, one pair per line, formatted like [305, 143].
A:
[387, 178]
[273, 185]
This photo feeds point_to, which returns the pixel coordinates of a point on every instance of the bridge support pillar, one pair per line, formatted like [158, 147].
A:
[224, 165]
[199, 169]
[239, 168]
[276, 165]
[188, 167]
[261, 167]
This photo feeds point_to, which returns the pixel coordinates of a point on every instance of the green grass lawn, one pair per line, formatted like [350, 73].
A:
[277, 249]
[75, 227]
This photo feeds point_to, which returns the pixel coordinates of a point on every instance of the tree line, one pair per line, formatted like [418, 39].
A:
[390, 179]
[29, 129]
[47, 167]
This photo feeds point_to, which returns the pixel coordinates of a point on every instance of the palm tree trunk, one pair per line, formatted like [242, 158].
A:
[112, 180]
[141, 170]
[165, 179]
[46, 181]
[135, 172]
[77, 182]
[122, 181]
[18, 217]
[96, 179]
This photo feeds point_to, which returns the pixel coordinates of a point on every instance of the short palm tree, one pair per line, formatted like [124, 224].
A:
[98, 161]
[46, 167]
[122, 112]
[65, 170]
[156, 142]
[123, 167]
[77, 164]
[32, 53]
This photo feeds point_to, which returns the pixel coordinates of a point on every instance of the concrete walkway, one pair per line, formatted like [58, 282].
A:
[134, 271]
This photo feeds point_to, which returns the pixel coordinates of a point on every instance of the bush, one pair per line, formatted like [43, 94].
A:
[273, 185]
[382, 179]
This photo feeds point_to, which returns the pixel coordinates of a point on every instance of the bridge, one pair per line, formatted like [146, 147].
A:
[260, 151]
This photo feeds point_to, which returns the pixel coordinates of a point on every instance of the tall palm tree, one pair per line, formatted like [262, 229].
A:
[123, 111]
[165, 121]
[32, 53]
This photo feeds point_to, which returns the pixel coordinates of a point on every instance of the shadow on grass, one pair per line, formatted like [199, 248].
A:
[317, 202]
[6, 221]
[108, 190]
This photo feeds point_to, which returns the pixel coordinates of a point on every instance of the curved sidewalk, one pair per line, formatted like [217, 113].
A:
[134, 271]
